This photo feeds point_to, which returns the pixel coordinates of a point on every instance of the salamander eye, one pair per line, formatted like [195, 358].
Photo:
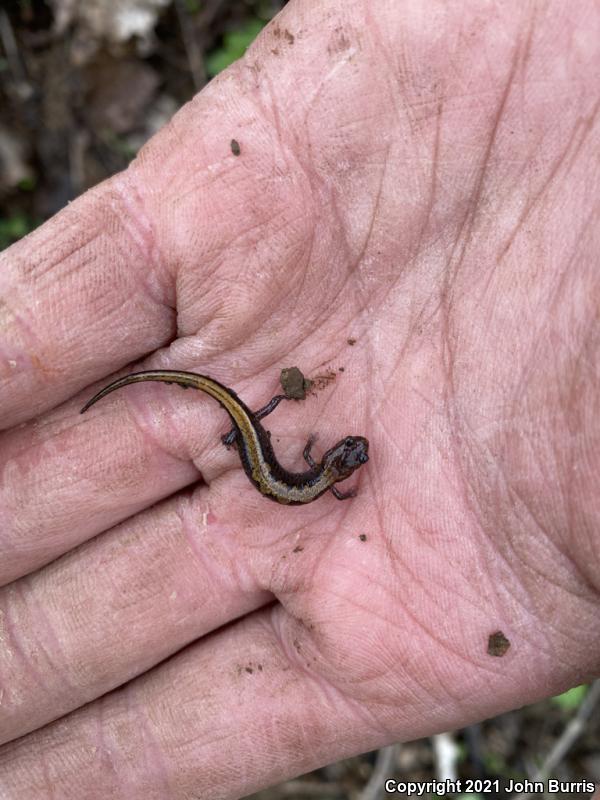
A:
[349, 441]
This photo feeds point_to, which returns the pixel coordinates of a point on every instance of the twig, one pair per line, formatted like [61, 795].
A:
[472, 734]
[446, 753]
[20, 83]
[573, 730]
[192, 48]
[209, 12]
[299, 789]
[383, 769]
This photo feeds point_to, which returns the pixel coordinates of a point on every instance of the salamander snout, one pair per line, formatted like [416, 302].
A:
[347, 455]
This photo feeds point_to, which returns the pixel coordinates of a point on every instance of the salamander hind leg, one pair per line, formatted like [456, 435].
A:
[231, 438]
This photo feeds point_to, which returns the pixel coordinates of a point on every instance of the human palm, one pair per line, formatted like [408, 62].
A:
[412, 220]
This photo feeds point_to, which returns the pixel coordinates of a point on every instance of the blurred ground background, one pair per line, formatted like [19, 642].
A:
[83, 84]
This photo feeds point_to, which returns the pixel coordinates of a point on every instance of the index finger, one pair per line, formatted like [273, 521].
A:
[79, 297]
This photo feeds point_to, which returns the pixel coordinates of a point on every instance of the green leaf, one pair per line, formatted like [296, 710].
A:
[234, 46]
[14, 228]
[192, 6]
[495, 764]
[571, 700]
[27, 184]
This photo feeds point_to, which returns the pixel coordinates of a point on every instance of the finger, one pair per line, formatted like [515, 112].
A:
[237, 697]
[67, 477]
[157, 581]
[111, 609]
[80, 296]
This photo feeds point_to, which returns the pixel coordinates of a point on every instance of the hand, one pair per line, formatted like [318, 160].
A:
[424, 180]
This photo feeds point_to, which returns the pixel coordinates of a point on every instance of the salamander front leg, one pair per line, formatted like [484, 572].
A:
[306, 452]
[312, 463]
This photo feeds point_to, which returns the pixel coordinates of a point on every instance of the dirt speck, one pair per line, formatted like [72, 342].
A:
[498, 644]
[323, 380]
[293, 383]
[339, 41]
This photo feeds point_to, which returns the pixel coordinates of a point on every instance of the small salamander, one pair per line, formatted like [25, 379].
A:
[254, 445]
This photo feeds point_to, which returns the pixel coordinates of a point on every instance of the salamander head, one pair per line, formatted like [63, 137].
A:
[346, 456]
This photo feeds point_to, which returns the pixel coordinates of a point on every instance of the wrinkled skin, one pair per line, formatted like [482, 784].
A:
[423, 178]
